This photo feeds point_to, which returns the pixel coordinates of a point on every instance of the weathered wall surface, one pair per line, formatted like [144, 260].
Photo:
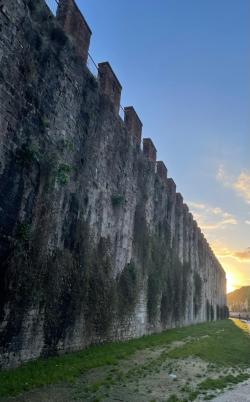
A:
[94, 244]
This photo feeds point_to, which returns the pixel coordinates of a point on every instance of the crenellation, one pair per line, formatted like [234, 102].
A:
[180, 226]
[109, 84]
[149, 149]
[171, 189]
[162, 170]
[75, 25]
[133, 124]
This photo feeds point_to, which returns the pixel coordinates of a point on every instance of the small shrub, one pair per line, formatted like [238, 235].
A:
[173, 398]
[23, 231]
[63, 174]
[117, 200]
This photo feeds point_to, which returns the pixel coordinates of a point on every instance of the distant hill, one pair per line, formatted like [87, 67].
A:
[239, 300]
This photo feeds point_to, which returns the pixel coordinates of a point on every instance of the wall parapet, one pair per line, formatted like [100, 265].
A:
[133, 124]
[149, 149]
[109, 84]
[73, 23]
[162, 170]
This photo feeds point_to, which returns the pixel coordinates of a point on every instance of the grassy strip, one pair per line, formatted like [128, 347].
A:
[228, 347]
[213, 384]
[70, 366]
[222, 382]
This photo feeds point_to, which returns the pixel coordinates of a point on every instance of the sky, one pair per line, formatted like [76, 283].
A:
[185, 67]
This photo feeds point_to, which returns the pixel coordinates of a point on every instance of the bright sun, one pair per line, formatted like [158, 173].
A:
[230, 283]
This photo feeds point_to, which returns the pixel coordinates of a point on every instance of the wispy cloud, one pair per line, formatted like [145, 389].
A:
[240, 184]
[225, 252]
[243, 255]
[211, 218]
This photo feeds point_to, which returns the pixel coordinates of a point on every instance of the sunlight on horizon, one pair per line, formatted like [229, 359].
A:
[230, 283]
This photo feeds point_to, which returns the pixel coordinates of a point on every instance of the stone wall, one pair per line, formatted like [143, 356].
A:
[95, 244]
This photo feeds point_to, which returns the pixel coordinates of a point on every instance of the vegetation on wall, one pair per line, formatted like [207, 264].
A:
[127, 289]
[117, 200]
[197, 293]
[63, 173]
[167, 278]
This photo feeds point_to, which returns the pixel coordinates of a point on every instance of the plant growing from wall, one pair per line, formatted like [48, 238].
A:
[100, 287]
[197, 293]
[117, 200]
[23, 231]
[63, 174]
[127, 288]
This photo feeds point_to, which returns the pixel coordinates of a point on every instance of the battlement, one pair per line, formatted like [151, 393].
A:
[74, 24]
[162, 170]
[133, 123]
[185, 208]
[171, 185]
[149, 149]
[179, 199]
[109, 84]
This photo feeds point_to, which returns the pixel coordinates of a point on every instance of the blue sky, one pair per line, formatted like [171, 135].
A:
[185, 67]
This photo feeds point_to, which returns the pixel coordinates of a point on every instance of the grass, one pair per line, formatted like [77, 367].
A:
[222, 382]
[227, 344]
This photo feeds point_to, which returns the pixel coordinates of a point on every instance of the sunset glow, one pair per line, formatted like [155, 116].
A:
[230, 283]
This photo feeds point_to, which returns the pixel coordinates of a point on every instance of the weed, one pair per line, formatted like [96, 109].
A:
[63, 173]
[117, 200]
[23, 231]
[173, 398]
[222, 382]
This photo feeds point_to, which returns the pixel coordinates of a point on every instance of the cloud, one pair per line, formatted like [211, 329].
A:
[247, 222]
[222, 176]
[219, 225]
[225, 252]
[196, 205]
[211, 218]
[243, 255]
[240, 184]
